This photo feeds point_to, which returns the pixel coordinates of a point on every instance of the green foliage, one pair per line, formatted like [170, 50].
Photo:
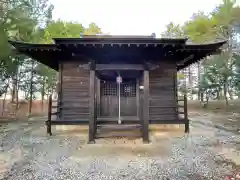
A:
[62, 29]
[92, 29]
[201, 28]
[19, 20]
[180, 75]
[173, 31]
[221, 72]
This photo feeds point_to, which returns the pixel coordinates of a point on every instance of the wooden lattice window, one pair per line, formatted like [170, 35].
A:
[108, 88]
[111, 89]
[128, 89]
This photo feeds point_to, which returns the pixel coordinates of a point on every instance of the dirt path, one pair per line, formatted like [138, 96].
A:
[206, 153]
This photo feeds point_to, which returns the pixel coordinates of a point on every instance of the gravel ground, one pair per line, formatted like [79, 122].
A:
[206, 153]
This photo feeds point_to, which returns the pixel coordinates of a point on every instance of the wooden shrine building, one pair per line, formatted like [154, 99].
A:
[117, 80]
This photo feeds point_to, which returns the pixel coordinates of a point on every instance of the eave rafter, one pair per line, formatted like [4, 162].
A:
[118, 45]
[34, 47]
[111, 48]
[118, 40]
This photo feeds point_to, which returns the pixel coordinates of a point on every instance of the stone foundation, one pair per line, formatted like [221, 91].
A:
[72, 127]
[152, 127]
[156, 132]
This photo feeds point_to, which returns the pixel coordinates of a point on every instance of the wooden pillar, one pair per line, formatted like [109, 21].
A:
[186, 115]
[138, 99]
[98, 96]
[49, 121]
[60, 77]
[175, 86]
[92, 123]
[57, 87]
[145, 128]
[96, 101]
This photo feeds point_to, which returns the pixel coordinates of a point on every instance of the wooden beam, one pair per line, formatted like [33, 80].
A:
[145, 128]
[86, 122]
[92, 126]
[49, 121]
[101, 67]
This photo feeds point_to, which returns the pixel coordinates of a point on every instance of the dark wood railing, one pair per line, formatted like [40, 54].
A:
[49, 121]
[184, 112]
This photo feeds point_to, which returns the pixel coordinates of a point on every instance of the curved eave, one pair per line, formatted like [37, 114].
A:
[194, 53]
[214, 45]
[44, 53]
[184, 54]
[48, 58]
[23, 45]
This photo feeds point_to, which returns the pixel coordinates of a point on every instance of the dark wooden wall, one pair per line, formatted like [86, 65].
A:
[75, 92]
[75, 95]
[162, 92]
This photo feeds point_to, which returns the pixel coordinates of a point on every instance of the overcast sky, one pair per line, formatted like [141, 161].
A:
[140, 17]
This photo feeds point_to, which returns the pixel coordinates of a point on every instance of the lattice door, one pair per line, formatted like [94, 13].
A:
[109, 98]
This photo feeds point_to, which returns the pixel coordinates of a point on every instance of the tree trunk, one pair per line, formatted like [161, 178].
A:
[207, 100]
[230, 93]
[218, 93]
[3, 105]
[221, 93]
[199, 79]
[42, 94]
[225, 87]
[15, 84]
[17, 102]
[201, 96]
[31, 90]
[13, 89]
[204, 102]
[16, 90]
[4, 99]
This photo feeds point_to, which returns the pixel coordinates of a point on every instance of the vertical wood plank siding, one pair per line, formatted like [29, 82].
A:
[75, 92]
[162, 99]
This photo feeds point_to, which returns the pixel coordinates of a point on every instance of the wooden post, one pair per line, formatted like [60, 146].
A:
[92, 124]
[98, 96]
[138, 99]
[96, 101]
[175, 86]
[59, 104]
[145, 128]
[186, 115]
[60, 92]
[49, 121]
